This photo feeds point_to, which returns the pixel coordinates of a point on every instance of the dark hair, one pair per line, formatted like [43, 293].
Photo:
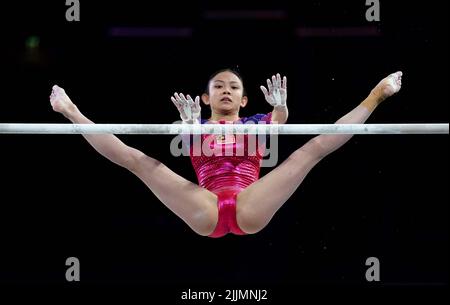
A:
[231, 70]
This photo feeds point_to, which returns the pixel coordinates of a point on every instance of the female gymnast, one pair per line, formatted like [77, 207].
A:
[230, 197]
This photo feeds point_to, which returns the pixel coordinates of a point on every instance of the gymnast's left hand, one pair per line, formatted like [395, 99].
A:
[276, 92]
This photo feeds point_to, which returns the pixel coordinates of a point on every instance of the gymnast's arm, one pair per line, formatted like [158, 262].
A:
[280, 114]
[107, 145]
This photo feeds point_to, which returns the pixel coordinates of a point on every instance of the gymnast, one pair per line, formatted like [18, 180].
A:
[230, 197]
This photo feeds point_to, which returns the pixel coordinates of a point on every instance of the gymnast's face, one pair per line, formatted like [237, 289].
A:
[225, 94]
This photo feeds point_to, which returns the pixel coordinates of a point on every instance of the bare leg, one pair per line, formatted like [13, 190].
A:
[257, 204]
[192, 203]
[195, 205]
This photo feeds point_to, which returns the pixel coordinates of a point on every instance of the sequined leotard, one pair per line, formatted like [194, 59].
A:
[226, 165]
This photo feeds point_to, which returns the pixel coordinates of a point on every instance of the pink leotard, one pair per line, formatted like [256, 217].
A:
[227, 169]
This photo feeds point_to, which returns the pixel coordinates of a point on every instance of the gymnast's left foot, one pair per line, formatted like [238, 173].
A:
[388, 86]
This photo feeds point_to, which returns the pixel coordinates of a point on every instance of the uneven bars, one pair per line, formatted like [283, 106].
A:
[172, 129]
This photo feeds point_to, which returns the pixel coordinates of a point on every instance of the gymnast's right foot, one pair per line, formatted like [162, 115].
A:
[388, 86]
[60, 101]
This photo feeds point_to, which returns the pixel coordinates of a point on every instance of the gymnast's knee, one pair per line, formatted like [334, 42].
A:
[249, 221]
[204, 223]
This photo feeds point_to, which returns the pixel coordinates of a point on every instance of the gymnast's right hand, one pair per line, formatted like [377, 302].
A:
[60, 101]
[189, 110]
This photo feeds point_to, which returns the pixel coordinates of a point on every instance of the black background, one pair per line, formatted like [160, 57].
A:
[382, 195]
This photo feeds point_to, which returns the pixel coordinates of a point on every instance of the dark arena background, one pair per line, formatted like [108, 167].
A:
[382, 196]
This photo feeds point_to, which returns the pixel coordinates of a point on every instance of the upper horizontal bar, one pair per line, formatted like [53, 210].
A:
[166, 129]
